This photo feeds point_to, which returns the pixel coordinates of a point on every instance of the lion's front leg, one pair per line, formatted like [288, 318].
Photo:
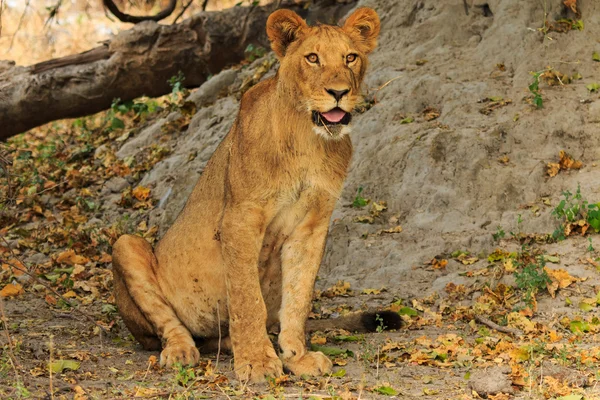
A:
[242, 233]
[301, 258]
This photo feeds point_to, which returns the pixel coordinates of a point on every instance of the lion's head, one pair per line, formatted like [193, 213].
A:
[322, 67]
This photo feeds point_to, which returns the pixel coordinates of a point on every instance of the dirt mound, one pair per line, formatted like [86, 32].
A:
[451, 141]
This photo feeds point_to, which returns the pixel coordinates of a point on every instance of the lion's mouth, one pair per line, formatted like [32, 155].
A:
[336, 116]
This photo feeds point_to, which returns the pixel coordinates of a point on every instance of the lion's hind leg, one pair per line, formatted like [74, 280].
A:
[143, 307]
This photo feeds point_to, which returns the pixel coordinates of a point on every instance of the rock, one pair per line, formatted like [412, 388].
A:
[144, 138]
[37, 258]
[216, 86]
[491, 381]
[116, 184]
[564, 374]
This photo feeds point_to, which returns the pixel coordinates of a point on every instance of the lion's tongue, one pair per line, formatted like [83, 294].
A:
[334, 115]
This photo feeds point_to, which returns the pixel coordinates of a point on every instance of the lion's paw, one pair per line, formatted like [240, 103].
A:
[257, 367]
[312, 363]
[182, 353]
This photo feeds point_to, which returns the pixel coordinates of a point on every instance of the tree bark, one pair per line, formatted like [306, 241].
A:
[138, 62]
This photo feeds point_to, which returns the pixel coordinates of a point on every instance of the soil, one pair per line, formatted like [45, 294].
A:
[451, 141]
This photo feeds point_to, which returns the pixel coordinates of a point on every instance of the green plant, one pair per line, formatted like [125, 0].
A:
[573, 208]
[123, 107]
[359, 201]
[176, 83]
[499, 233]
[532, 278]
[590, 246]
[534, 88]
[380, 325]
[184, 374]
[253, 52]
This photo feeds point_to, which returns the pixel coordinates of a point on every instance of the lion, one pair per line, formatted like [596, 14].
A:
[243, 254]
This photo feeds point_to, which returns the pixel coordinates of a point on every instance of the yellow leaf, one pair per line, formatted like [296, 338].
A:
[70, 294]
[554, 387]
[439, 264]
[508, 266]
[396, 229]
[572, 4]
[552, 169]
[560, 280]
[520, 321]
[317, 339]
[70, 258]
[141, 193]
[11, 290]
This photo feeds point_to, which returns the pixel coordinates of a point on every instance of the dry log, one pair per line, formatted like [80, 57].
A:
[138, 62]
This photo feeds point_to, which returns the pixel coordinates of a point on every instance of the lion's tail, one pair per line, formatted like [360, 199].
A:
[364, 321]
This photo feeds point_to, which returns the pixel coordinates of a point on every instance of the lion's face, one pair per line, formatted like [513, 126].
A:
[322, 67]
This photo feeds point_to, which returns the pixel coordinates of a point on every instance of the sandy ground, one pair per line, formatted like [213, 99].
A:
[449, 139]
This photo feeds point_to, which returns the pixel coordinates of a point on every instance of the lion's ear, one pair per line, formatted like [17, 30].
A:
[363, 27]
[284, 27]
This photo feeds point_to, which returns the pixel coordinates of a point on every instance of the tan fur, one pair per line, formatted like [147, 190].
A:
[248, 244]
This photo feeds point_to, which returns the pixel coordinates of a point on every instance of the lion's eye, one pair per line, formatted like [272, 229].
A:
[350, 58]
[312, 58]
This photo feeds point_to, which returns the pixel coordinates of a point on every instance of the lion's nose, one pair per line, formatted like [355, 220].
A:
[337, 94]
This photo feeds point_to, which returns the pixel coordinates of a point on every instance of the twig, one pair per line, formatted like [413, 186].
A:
[134, 19]
[325, 125]
[221, 389]
[245, 25]
[204, 5]
[40, 282]
[384, 85]
[499, 328]
[183, 10]
[1, 8]
[11, 355]
[219, 342]
[377, 375]
[12, 40]
[50, 366]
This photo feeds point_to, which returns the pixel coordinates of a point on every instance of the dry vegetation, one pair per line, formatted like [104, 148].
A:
[520, 319]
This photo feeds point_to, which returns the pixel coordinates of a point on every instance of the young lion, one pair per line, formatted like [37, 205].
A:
[246, 248]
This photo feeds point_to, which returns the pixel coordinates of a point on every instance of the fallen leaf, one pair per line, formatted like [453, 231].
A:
[372, 291]
[572, 4]
[386, 390]
[318, 339]
[11, 290]
[560, 279]
[408, 311]
[396, 229]
[565, 162]
[70, 258]
[141, 193]
[552, 169]
[431, 113]
[579, 326]
[593, 87]
[439, 264]
[364, 219]
[59, 366]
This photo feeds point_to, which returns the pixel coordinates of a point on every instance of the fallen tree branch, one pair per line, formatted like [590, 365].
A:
[134, 19]
[138, 62]
[496, 327]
